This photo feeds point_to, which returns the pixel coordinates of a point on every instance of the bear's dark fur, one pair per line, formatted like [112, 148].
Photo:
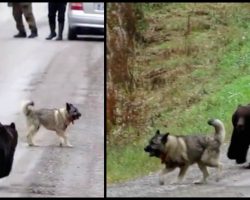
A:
[8, 142]
[240, 139]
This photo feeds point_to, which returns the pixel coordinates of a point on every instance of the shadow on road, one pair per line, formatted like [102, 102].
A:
[90, 39]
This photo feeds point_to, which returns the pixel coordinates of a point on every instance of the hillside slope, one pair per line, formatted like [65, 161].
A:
[191, 64]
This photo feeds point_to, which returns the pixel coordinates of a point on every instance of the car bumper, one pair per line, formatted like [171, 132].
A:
[86, 21]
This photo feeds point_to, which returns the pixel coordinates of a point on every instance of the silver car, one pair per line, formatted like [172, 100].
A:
[85, 18]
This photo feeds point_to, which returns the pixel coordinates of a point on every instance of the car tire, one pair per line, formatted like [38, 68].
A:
[71, 34]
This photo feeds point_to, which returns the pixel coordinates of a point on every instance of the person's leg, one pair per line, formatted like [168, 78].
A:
[17, 14]
[61, 19]
[52, 20]
[27, 11]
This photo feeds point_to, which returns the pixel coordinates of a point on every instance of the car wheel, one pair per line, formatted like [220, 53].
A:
[71, 34]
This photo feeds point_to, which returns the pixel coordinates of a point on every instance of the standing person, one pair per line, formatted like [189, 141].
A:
[53, 9]
[19, 9]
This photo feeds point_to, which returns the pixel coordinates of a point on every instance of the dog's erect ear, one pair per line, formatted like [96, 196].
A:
[12, 125]
[164, 138]
[157, 132]
[68, 106]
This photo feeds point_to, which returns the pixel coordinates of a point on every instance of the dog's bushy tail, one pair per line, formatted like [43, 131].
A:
[220, 132]
[25, 107]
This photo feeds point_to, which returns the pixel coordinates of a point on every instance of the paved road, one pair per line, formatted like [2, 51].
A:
[52, 73]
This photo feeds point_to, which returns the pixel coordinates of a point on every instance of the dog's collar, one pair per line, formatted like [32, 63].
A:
[164, 157]
[69, 119]
[65, 120]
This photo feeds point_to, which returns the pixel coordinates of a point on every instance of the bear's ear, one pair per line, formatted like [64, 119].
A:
[164, 138]
[157, 132]
[12, 125]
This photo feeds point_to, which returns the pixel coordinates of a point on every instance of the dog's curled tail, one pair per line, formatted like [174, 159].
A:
[25, 107]
[220, 132]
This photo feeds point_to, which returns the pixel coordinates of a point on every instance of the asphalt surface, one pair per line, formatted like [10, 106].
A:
[52, 73]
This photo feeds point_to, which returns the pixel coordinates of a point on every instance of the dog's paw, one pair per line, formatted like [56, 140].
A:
[201, 182]
[33, 145]
[66, 145]
[69, 145]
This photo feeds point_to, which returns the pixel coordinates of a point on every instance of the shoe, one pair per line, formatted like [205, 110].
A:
[60, 31]
[52, 27]
[59, 37]
[51, 35]
[33, 34]
[21, 34]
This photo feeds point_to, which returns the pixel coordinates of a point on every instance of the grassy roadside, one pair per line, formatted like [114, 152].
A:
[217, 81]
[131, 161]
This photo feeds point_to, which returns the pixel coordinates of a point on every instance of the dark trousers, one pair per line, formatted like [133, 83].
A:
[25, 9]
[53, 9]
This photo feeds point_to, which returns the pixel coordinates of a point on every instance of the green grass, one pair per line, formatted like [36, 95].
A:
[222, 76]
[220, 104]
[129, 162]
